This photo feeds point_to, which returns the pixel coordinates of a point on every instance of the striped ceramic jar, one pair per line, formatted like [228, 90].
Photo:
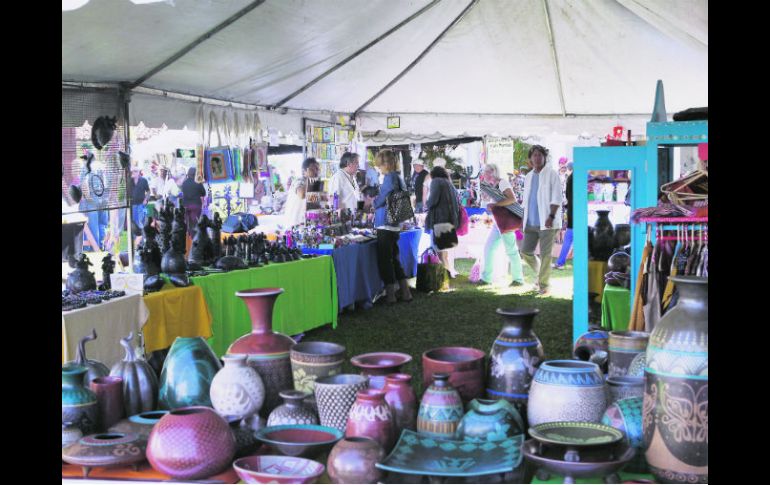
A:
[567, 390]
[623, 347]
[441, 409]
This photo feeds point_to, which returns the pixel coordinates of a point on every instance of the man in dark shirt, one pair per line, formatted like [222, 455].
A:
[193, 199]
[418, 180]
[139, 189]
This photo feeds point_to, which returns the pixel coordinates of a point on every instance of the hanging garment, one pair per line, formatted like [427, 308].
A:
[692, 261]
[668, 292]
[652, 313]
[704, 269]
[637, 313]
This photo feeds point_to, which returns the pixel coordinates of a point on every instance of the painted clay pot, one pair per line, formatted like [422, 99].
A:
[95, 368]
[140, 383]
[464, 365]
[311, 360]
[604, 237]
[371, 417]
[623, 347]
[352, 460]
[140, 424]
[188, 370]
[589, 343]
[335, 396]
[675, 410]
[626, 415]
[268, 351]
[191, 443]
[567, 390]
[624, 387]
[237, 389]
[69, 434]
[636, 368]
[441, 409]
[292, 411]
[109, 396]
[377, 365]
[78, 403]
[105, 450]
[402, 401]
[490, 420]
[278, 469]
[514, 358]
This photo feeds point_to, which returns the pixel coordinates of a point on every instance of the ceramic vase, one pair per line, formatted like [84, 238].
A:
[246, 442]
[490, 420]
[140, 383]
[590, 343]
[622, 232]
[604, 237]
[514, 358]
[105, 450]
[675, 410]
[567, 390]
[441, 409]
[636, 368]
[626, 415]
[237, 389]
[464, 365]
[78, 403]
[140, 424]
[191, 443]
[335, 396]
[292, 411]
[623, 387]
[109, 396]
[402, 401]
[267, 351]
[69, 434]
[353, 460]
[623, 347]
[376, 365]
[188, 370]
[371, 417]
[311, 360]
[95, 368]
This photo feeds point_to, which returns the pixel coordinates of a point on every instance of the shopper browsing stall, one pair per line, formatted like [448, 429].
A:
[140, 191]
[542, 214]
[303, 191]
[443, 215]
[193, 200]
[418, 184]
[344, 182]
[388, 262]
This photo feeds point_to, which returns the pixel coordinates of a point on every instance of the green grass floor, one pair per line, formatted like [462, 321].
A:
[463, 316]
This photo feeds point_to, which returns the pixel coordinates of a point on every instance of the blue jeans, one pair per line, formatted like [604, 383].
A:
[511, 249]
[565, 248]
[98, 221]
[138, 215]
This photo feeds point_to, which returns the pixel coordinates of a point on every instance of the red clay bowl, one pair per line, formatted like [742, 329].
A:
[278, 469]
[305, 440]
[465, 366]
[380, 363]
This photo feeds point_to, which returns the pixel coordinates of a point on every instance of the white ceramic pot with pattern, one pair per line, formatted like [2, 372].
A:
[237, 389]
[371, 417]
[567, 390]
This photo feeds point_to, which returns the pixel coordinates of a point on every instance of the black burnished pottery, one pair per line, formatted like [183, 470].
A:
[81, 279]
[102, 131]
[619, 261]
[215, 234]
[108, 267]
[202, 250]
[603, 240]
[622, 235]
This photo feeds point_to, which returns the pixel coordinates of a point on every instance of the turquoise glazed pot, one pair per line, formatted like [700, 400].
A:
[78, 403]
[441, 409]
[567, 390]
[187, 373]
[626, 415]
[490, 420]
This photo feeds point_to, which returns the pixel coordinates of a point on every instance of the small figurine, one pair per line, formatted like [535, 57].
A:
[81, 279]
[108, 267]
[202, 250]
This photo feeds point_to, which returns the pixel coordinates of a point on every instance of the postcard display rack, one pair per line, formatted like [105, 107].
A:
[326, 142]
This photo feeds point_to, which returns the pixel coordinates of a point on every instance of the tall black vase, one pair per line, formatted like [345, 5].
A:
[603, 238]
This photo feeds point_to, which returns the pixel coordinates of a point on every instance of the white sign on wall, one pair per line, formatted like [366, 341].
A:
[500, 152]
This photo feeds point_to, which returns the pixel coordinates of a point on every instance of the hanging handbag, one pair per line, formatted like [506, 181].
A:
[444, 236]
[431, 276]
[506, 220]
[399, 205]
[218, 160]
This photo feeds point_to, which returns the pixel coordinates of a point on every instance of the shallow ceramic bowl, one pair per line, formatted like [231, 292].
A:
[305, 440]
[593, 464]
[278, 469]
[380, 361]
[575, 433]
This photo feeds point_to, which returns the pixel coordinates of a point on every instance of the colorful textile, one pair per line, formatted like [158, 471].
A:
[175, 312]
[616, 308]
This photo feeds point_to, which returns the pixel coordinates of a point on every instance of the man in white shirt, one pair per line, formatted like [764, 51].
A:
[344, 182]
[542, 215]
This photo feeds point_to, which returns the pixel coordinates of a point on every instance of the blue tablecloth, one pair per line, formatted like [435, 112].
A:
[358, 278]
[472, 211]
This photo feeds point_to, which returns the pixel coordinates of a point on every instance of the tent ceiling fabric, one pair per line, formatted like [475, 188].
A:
[496, 60]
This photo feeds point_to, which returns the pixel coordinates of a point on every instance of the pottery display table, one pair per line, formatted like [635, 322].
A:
[175, 312]
[616, 307]
[309, 300]
[144, 473]
[112, 320]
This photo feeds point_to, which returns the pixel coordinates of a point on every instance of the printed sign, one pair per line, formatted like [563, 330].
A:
[500, 152]
[394, 122]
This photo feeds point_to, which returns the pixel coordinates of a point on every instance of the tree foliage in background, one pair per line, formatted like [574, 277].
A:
[430, 153]
[520, 150]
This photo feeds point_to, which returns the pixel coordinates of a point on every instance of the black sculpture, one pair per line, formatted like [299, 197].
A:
[165, 222]
[230, 260]
[81, 279]
[174, 264]
[102, 131]
[147, 258]
[202, 250]
[215, 234]
[108, 267]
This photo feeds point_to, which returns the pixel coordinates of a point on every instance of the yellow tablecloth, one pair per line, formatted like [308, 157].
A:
[112, 320]
[175, 312]
[596, 272]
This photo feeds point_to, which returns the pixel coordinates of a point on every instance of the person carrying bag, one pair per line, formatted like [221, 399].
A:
[443, 214]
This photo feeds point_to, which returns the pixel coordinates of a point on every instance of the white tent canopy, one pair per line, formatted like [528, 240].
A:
[453, 66]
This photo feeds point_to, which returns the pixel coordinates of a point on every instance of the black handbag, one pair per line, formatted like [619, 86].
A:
[446, 240]
[399, 206]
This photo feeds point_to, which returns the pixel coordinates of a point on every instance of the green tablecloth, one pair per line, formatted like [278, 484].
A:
[616, 307]
[309, 299]
[623, 477]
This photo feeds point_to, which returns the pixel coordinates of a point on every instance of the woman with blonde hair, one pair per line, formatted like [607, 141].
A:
[388, 262]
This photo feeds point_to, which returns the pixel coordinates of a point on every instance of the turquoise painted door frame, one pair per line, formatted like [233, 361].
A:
[642, 177]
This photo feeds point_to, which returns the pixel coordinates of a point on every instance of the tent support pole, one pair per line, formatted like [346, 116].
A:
[355, 54]
[248, 8]
[419, 58]
[555, 57]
